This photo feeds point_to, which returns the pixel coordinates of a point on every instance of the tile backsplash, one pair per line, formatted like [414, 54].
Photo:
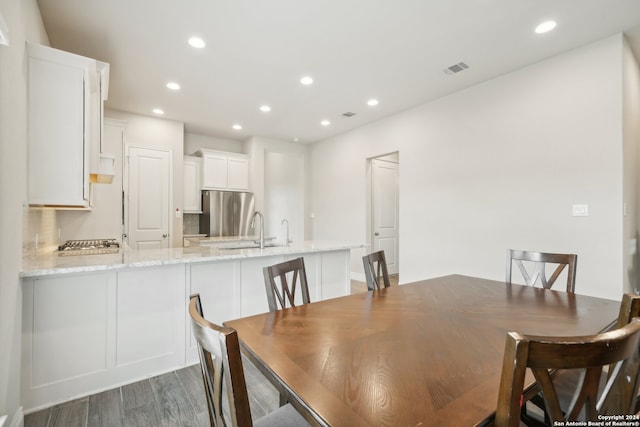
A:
[191, 224]
[40, 231]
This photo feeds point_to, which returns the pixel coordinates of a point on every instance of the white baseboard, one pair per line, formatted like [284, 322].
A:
[16, 421]
[360, 277]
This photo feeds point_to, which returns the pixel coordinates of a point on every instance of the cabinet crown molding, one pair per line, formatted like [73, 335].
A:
[204, 151]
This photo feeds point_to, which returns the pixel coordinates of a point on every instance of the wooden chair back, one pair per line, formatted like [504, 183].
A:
[566, 380]
[616, 349]
[539, 261]
[375, 270]
[625, 388]
[283, 280]
[220, 363]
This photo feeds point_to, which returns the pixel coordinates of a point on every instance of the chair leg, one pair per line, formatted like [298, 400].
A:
[528, 419]
[283, 399]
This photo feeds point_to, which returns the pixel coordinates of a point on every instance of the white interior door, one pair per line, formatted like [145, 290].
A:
[384, 210]
[148, 198]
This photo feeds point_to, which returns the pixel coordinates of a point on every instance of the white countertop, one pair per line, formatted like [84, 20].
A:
[49, 263]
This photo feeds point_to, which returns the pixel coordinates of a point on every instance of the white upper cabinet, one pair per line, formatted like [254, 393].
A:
[224, 171]
[238, 173]
[64, 125]
[214, 171]
[192, 184]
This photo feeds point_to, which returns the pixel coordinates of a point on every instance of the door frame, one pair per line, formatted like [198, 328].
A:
[125, 191]
[369, 232]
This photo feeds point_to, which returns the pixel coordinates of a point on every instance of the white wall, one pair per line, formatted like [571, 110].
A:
[284, 195]
[104, 220]
[495, 166]
[258, 149]
[151, 132]
[23, 20]
[631, 138]
[193, 142]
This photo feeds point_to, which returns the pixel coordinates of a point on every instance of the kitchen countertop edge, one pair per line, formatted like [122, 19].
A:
[49, 264]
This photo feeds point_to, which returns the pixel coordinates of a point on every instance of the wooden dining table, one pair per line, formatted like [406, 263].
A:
[427, 353]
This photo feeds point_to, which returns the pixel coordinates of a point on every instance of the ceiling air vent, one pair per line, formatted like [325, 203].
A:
[456, 68]
[348, 114]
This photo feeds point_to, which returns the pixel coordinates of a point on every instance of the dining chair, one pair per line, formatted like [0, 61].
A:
[567, 379]
[283, 280]
[615, 350]
[223, 376]
[375, 270]
[538, 270]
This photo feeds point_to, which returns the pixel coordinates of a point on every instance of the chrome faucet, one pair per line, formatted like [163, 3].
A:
[287, 222]
[253, 222]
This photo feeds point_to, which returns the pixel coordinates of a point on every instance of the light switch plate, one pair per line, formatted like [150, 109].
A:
[580, 210]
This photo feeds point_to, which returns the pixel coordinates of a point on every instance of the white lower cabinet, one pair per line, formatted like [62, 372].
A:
[253, 297]
[150, 318]
[66, 324]
[334, 268]
[88, 332]
[83, 333]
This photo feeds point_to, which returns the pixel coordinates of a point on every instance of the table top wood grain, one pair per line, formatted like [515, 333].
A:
[427, 353]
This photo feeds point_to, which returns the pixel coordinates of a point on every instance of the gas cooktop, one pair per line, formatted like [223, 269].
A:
[89, 247]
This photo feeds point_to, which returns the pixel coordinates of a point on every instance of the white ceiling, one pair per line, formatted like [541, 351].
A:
[257, 51]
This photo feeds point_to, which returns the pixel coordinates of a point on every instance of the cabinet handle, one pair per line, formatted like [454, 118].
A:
[376, 234]
[164, 235]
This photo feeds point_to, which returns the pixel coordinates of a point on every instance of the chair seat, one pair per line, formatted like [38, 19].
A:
[284, 416]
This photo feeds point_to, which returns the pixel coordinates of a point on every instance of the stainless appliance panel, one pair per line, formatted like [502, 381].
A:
[244, 206]
[226, 213]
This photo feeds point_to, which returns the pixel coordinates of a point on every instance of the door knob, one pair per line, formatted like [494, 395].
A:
[164, 235]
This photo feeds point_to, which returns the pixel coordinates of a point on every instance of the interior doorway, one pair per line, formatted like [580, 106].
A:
[383, 212]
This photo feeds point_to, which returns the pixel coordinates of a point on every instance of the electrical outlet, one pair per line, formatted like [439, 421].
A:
[580, 210]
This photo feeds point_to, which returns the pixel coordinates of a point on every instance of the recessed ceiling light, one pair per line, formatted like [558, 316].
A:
[325, 123]
[197, 42]
[237, 127]
[306, 80]
[372, 102]
[546, 26]
[158, 111]
[173, 86]
[295, 140]
[265, 108]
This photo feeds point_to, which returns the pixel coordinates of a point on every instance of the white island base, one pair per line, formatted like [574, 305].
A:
[96, 329]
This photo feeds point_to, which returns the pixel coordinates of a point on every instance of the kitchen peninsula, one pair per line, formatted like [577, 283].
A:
[93, 322]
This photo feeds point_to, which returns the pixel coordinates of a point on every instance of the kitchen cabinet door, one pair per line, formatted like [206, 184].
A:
[237, 173]
[57, 164]
[253, 297]
[214, 171]
[64, 125]
[192, 185]
[224, 171]
[150, 317]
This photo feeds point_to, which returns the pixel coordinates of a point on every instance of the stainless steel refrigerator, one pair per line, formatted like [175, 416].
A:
[226, 213]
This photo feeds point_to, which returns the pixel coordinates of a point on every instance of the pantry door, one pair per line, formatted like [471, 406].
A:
[385, 211]
[147, 198]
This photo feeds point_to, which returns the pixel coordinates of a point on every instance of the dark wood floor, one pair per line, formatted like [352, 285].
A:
[172, 399]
